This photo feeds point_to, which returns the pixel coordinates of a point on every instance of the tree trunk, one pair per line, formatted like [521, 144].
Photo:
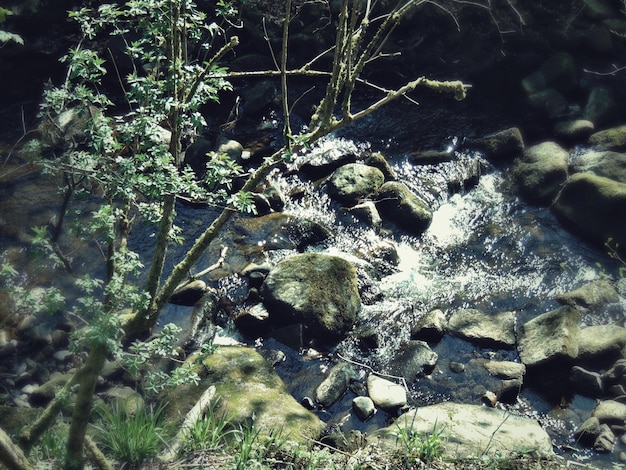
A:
[11, 455]
[87, 379]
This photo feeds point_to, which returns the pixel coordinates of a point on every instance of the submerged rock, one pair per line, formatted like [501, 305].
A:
[319, 291]
[412, 360]
[469, 431]
[500, 147]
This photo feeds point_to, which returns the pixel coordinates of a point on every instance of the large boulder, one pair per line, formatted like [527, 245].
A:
[470, 431]
[500, 147]
[495, 330]
[541, 171]
[317, 290]
[550, 338]
[397, 203]
[601, 342]
[592, 296]
[609, 139]
[353, 182]
[247, 387]
[590, 205]
[608, 164]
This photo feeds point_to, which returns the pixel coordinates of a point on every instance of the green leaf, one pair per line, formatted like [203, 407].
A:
[5, 36]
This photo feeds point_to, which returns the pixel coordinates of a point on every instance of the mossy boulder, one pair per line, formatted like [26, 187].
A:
[316, 290]
[541, 171]
[397, 203]
[247, 387]
[609, 139]
[591, 206]
[609, 164]
[351, 183]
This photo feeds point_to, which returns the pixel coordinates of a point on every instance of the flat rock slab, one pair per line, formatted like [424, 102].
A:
[551, 337]
[495, 330]
[470, 431]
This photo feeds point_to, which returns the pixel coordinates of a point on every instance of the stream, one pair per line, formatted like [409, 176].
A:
[485, 249]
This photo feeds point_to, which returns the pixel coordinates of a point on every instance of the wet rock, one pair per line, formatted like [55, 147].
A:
[396, 203]
[456, 367]
[472, 431]
[353, 182]
[586, 383]
[541, 171]
[273, 356]
[319, 291]
[600, 343]
[385, 394]
[574, 131]
[189, 294]
[509, 390]
[231, 148]
[363, 407]
[500, 147]
[609, 139]
[550, 338]
[367, 338]
[490, 399]
[550, 101]
[47, 391]
[367, 213]
[484, 329]
[430, 157]
[334, 385]
[610, 412]
[253, 318]
[378, 160]
[601, 106]
[609, 164]
[60, 338]
[412, 360]
[558, 71]
[587, 205]
[605, 442]
[431, 327]
[325, 164]
[505, 369]
[63, 356]
[588, 431]
[592, 296]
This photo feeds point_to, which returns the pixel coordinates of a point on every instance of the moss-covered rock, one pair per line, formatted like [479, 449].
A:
[398, 204]
[541, 171]
[319, 291]
[591, 205]
[247, 388]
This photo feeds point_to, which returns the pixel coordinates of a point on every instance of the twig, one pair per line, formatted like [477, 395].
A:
[218, 264]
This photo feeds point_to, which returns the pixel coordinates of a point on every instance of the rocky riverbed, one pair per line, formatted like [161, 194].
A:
[444, 264]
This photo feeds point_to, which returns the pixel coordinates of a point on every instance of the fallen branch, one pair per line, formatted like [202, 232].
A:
[11, 455]
[194, 415]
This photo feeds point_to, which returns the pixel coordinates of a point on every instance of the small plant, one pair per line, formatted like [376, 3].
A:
[419, 446]
[253, 448]
[211, 432]
[131, 438]
[51, 448]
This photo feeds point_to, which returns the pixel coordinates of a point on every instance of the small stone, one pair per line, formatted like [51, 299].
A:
[28, 389]
[62, 356]
[334, 385]
[490, 399]
[363, 407]
[386, 394]
[456, 367]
